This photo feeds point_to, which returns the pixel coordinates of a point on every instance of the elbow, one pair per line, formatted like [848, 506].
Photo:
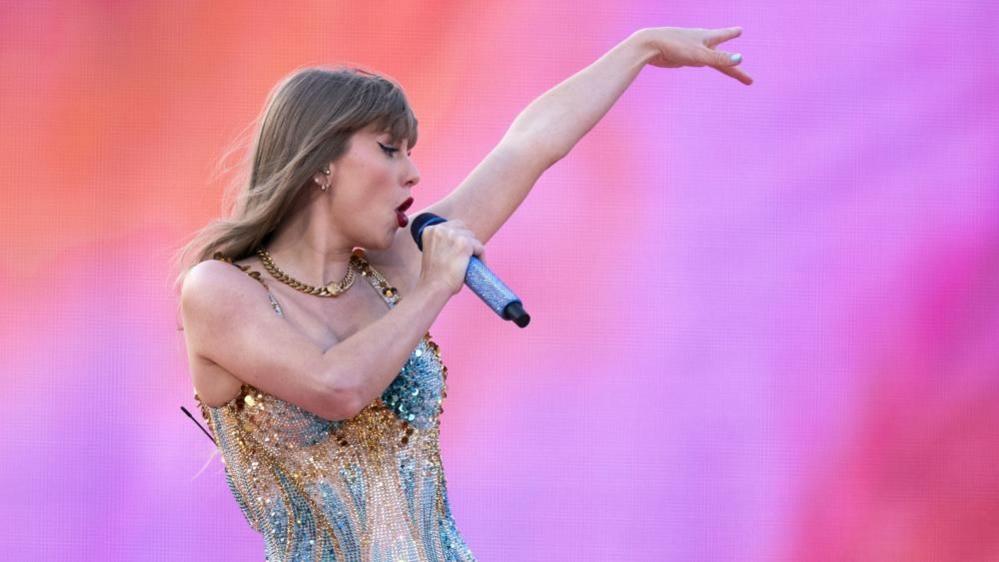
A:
[535, 151]
[340, 401]
[341, 405]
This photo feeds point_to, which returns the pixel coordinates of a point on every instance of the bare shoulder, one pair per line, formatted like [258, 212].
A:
[215, 295]
[234, 337]
[214, 286]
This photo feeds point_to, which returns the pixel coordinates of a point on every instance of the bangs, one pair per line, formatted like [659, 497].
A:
[394, 117]
[381, 104]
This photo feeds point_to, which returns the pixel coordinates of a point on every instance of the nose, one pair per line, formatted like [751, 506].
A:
[412, 174]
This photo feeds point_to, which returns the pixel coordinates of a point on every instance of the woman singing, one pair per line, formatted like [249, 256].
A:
[306, 313]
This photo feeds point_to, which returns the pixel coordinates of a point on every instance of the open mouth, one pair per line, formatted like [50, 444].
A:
[400, 213]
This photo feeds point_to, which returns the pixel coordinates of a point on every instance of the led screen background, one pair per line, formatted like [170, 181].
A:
[764, 318]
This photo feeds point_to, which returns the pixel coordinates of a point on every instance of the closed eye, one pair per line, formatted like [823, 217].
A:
[389, 150]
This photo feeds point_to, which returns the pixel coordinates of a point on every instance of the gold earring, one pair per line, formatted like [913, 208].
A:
[326, 172]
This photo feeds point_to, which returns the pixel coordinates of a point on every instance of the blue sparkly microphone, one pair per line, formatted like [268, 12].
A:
[479, 279]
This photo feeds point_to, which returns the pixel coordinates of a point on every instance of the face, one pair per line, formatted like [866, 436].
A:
[370, 184]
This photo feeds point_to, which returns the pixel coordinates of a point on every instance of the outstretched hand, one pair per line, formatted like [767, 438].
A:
[676, 47]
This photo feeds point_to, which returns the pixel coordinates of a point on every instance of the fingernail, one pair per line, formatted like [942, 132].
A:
[736, 57]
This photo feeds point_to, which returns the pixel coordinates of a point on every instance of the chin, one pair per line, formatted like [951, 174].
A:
[383, 243]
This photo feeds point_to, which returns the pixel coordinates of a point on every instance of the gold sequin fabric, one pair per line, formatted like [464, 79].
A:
[370, 488]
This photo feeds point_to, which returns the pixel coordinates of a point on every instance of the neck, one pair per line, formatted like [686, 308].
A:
[306, 248]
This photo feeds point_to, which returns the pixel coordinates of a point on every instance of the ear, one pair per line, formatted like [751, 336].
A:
[323, 176]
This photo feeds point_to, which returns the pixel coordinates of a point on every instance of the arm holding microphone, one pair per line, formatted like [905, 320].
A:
[228, 324]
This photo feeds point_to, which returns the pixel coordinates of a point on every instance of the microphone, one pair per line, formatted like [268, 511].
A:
[479, 278]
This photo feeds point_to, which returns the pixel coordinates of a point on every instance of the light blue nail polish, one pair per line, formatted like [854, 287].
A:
[736, 57]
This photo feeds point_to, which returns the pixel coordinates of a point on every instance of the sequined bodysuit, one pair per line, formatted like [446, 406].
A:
[369, 488]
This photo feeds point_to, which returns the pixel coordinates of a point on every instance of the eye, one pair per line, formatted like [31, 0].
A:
[389, 150]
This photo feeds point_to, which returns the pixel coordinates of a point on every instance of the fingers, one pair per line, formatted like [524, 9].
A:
[721, 58]
[478, 249]
[724, 61]
[446, 253]
[458, 232]
[736, 73]
[718, 36]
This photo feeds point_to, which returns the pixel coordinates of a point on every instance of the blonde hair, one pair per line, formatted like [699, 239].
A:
[308, 122]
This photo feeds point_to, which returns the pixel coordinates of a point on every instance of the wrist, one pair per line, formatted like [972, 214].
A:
[436, 292]
[642, 45]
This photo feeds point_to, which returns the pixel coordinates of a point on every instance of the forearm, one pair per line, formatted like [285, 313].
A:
[552, 124]
[364, 364]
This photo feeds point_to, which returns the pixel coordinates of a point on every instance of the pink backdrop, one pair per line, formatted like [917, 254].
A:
[765, 319]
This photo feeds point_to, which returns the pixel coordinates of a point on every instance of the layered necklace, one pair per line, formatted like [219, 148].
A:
[331, 289]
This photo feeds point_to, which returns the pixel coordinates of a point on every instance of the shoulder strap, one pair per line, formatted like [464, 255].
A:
[377, 280]
[256, 275]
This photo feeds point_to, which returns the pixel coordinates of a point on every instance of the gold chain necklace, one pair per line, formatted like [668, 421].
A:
[329, 290]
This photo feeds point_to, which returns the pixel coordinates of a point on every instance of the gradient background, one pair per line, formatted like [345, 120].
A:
[766, 319]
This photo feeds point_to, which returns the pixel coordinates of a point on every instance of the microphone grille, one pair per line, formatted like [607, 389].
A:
[422, 221]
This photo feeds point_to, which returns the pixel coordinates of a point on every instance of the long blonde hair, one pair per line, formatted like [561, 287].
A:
[308, 121]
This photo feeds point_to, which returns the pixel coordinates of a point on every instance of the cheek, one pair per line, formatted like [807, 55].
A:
[363, 206]
[379, 195]
[366, 190]
[380, 178]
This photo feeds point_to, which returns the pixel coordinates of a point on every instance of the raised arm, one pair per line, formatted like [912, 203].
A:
[552, 124]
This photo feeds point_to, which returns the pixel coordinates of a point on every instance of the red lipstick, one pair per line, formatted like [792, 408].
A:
[400, 213]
